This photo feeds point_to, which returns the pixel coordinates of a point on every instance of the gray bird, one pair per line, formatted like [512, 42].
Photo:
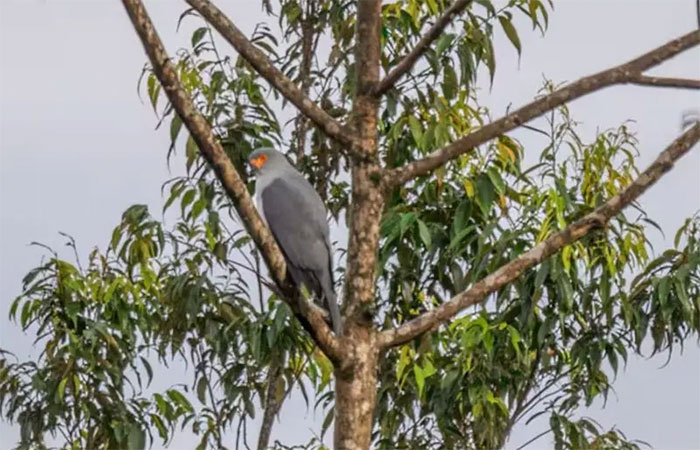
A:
[296, 215]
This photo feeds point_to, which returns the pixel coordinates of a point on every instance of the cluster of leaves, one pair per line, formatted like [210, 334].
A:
[453, 62]
[153, 296]
[547, 343]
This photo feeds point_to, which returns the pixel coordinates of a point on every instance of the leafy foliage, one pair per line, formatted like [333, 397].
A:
[158, 295]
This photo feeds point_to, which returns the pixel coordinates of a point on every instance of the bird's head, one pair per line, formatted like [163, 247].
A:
[265, 159]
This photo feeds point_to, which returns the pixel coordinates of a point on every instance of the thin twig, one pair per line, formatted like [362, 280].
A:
[421, 47]
[544, 433]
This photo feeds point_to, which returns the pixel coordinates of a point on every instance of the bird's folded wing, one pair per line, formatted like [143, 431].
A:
[293, 222]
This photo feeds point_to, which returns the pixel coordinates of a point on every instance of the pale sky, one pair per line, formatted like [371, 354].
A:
[77, 147]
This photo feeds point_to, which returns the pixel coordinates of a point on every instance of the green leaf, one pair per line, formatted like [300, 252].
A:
[457, 240]
[496, 180]
[187, 199]
[416, 129]
[612, 358]
[566, 257]
[202, 390]
[180, 400]
[461, 217]
[443, 42]
[542, 273]
[682, 294]
[280, 318]
[485, 194]
[449, 82]
[191, 151]
[148, 368]
[175, 192]
[404, 360]
[160, 426]
[420, 379]
[424, 234]
[488, 340]
[406, 221]
[432, 5]
[116, 237]
[62, 388]
[514, 339]
[153, 88]
[198, 34]
[664, 288]
[137, 438]
[175, 127]
[509, 29]
[490, 56]
[327, 421]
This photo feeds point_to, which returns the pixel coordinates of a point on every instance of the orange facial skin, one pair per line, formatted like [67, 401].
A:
[259, 161]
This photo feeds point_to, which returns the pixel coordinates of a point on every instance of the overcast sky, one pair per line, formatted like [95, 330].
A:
[77, 147]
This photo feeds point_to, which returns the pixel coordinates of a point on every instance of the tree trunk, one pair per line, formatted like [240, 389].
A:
[356, 393]
[356, 379]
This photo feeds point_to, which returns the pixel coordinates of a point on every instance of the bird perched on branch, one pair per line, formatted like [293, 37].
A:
[296, 216]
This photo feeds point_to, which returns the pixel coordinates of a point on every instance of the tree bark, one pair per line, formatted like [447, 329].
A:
[356, 379]
[356, 393]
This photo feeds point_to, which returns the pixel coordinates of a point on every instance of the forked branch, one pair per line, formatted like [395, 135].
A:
[234, 186]
[421, 47]
[262, 64]
[512, 270]
[629, 72]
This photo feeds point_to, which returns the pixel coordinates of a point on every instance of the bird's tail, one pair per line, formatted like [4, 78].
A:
[332, 305]
[325, 294]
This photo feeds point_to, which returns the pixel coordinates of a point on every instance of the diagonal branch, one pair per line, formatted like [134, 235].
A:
[512, 270]
[626, 73]
[274, 76]
[680, 83]
[234, 186]
[421, 47]
[272, 404]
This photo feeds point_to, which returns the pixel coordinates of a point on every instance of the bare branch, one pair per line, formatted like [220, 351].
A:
[421, 47]
[625, 73]
[539, 435]
[234, 186]
[272, 404]
[308, 45]
[274, 76]
[512, 270]
[679, 83]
